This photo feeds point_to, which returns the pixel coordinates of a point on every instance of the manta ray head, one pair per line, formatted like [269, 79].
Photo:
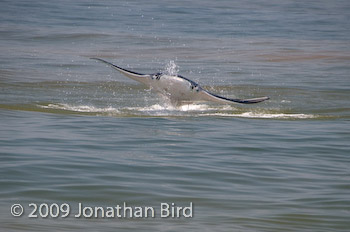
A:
[157, 75]
[195, 87]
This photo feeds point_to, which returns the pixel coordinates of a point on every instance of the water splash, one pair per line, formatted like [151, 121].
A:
[263, 115]
[171, 68]
[171, 108]
[190, 110]
[79, 108]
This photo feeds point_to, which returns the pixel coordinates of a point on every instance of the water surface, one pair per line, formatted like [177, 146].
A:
[73, 130]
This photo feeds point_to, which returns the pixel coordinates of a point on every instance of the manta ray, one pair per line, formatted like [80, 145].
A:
[178, 89]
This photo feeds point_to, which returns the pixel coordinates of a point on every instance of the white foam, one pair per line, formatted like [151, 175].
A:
[263, 115]
[155, 107]
[183, 108]
[169, 110]
[194, 107]
[80, 108]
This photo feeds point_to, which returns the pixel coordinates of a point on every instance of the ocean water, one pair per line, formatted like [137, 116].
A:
[74, 131]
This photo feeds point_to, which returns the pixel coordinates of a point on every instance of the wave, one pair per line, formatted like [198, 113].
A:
[117, 99]
[79, 108]
[157, 110]
[265, 115]
[68, 36]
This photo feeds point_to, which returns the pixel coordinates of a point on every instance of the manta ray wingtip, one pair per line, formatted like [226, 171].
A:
[95, 58]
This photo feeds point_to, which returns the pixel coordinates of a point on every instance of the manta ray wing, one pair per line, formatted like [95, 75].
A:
[143, 78]
[216, 98]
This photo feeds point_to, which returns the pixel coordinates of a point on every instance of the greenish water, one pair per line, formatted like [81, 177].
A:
[75, 131]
